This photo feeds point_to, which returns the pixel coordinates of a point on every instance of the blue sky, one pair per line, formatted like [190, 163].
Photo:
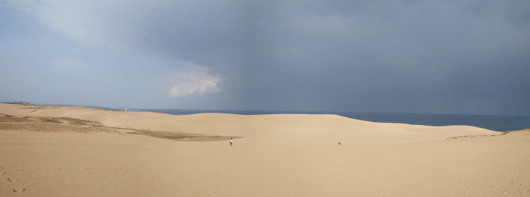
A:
[406, 56]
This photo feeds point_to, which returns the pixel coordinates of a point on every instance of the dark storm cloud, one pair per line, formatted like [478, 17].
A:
[372, 56]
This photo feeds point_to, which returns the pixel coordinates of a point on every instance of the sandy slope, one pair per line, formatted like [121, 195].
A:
[279, 155]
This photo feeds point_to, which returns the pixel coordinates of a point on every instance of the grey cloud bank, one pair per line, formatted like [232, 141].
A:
[466, 57]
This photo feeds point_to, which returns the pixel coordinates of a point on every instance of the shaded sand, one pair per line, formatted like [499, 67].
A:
[278, 155]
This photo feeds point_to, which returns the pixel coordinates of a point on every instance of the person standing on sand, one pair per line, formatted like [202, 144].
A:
[230, 141]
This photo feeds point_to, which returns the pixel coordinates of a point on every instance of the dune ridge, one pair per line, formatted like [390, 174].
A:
[287, 128]
[66, 124]
[277, 155]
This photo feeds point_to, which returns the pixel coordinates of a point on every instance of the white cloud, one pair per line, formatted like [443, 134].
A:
[198, 81]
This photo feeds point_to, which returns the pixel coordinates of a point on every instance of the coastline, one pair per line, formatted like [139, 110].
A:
[499, 123]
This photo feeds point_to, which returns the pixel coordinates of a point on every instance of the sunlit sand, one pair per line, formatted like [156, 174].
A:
[76, 151]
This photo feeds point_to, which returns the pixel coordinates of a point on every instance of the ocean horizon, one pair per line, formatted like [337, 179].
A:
[492, 122]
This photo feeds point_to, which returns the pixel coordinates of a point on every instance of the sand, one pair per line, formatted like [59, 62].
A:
[93, 152]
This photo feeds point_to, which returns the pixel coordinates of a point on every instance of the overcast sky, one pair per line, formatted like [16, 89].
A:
[450, 57]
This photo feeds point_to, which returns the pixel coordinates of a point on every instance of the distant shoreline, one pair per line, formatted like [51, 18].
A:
[69, 106]
[499, 123]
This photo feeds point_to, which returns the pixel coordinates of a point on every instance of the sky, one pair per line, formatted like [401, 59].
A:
[408, 56]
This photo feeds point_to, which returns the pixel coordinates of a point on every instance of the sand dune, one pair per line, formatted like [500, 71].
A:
[277, 155]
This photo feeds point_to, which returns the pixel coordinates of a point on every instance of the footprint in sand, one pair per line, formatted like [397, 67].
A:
[19, 190]
[12, 180]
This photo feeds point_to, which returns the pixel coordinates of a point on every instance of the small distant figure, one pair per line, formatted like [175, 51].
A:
[339, 143]
[230, 141]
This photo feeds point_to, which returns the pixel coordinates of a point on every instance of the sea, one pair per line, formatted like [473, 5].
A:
[491, 122]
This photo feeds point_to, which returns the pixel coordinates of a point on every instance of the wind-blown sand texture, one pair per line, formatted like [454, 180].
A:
[76, 151]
